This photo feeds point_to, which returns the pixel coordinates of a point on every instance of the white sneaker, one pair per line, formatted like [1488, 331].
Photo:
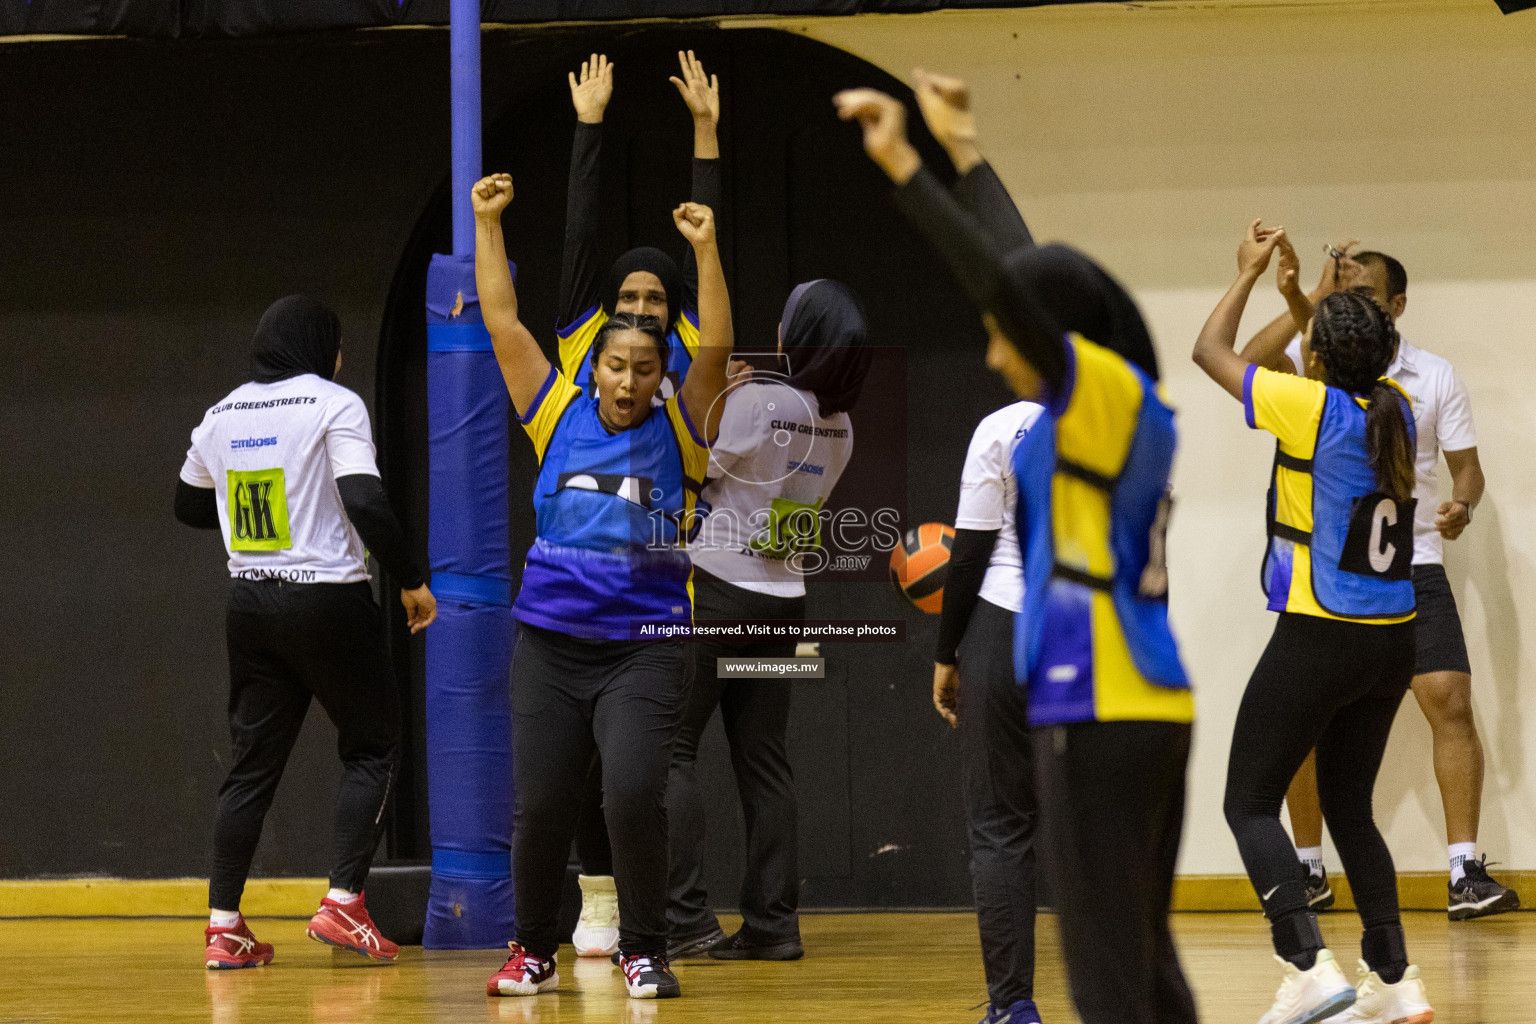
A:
[1377, 1002]
[1306, 997]
[597, 929]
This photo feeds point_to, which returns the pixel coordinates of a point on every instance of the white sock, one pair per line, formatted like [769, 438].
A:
[341, 896]
[1312, 857]
[222, 918]
[1460, 854]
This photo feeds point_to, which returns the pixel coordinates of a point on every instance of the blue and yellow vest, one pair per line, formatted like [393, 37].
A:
[1337, 548]
[576, 349]
[614, 512]
[1093, 642]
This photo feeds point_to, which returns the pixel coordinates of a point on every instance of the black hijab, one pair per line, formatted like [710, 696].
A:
[656, 262]
[1078, 295]
[826, 343]
[296, 335]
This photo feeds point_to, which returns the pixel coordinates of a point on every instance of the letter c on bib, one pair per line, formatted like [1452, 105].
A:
[1382, 551]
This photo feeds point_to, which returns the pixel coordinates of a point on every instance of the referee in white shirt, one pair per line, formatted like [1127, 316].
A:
[980, 696]
[1442, 681]
[284, 468]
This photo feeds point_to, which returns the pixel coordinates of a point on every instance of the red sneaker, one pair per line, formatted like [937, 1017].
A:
[523, 974]
[348, 925]
[234, 947]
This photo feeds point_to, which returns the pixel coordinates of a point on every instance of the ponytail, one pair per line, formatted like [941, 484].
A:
[1388, 443]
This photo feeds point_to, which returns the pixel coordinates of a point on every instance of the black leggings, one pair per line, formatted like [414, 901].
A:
[290, 643]
[1334, 686]
[998, 781]
[570, 698]
[1112, 807]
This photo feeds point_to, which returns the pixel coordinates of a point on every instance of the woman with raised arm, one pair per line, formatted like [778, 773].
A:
[605, 589]
[1336, 568]
[1108, 697]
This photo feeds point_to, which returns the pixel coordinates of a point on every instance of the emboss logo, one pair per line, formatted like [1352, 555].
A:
[252, 442]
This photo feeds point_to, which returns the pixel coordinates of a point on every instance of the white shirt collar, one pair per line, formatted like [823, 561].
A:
[1404, 360]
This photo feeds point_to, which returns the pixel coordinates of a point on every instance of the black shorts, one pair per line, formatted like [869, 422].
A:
[1436, 624]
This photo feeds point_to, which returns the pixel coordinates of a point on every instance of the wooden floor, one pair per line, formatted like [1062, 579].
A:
[859, 967]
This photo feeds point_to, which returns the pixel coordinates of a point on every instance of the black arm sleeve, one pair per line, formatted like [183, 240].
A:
[977, 266]
[708, 190]
[580, 280]
[982, 194]
[196, 506]
[363, 497]
[968, 558]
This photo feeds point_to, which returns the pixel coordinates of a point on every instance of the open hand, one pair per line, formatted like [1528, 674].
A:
[696, 222]
[700, 91]
[884, 121]
[946, 106]
[1289, 264]
[491, 195]
[590, 94]
[420, 608]
[1257, 247]
[946, 692]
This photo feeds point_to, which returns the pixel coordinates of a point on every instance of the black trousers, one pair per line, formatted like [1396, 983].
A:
[997, 765]
[1112, 806]
[290, 643]
[570, 698]
[755, 713]
[1335, 686]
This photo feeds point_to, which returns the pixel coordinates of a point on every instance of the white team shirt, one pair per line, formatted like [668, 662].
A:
[989, 495]
[1442, 416]
[771, 471]
[272, 453]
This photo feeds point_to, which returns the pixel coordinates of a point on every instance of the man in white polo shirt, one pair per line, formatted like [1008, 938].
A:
[1442, 682]
[284, 468]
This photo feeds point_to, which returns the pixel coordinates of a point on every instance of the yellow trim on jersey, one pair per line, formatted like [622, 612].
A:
[576, 346]
[545, 416]
[1291, 408]
[1095, 432]
[695, 461]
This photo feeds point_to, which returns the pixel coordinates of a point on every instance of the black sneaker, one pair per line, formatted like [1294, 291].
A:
[1319, 892]
[692, 946]
[741, 947]
[649, 977]
[1477, 895]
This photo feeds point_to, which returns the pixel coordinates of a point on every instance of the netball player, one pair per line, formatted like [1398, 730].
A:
[1442, 679]
[284, 467]
[1107, 695]
[642, 281]
[783, 445]
[604, 582]
[975, 691]
[1341, 657]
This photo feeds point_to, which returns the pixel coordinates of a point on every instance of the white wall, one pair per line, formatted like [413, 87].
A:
[1150, 136]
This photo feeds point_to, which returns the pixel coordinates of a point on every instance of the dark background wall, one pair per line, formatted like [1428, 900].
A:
[159, 195]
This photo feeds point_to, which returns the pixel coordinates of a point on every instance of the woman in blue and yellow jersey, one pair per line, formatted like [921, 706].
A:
[605, 584]
[1336, 568]
[1107, 696]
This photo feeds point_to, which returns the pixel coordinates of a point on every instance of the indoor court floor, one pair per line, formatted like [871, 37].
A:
[888, 968]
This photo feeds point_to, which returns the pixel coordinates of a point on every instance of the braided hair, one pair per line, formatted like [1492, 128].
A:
[650, 326]
[1355, 340]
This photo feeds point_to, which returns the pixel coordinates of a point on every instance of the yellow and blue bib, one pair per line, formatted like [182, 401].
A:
[614, 512]
[1093, 642]
[576, 349]
[1337, 548]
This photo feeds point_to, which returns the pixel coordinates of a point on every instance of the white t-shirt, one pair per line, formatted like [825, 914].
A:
[989, 492]
[771, 471]
[1442, 415]
[272, 453]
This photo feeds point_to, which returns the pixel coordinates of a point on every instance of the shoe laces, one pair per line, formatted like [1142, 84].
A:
[1477, 867]
[523, 959]
[634, 966]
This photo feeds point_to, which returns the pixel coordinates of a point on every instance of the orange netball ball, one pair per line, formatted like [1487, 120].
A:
[920, 563]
